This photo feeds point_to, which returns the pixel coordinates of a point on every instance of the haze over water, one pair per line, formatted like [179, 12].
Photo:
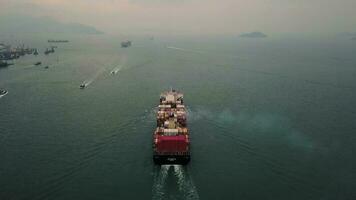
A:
[269, 119]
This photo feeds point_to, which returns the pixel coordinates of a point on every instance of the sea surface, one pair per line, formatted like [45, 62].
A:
[270, 118]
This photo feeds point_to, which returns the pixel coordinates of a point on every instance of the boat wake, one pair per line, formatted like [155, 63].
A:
[184, 187]
[122, 62]
[86, 83]
[209, 53]
[2, 95]
[186, 50]
[158, 190]
[185, 183]
[116, 70]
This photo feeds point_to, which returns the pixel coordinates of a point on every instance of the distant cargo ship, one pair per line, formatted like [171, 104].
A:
[171, 137]
[58, 41]
[126, 44]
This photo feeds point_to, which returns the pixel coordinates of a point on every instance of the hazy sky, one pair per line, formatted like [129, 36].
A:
[195, 16]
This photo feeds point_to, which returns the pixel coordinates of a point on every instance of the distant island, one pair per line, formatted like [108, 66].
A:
[253, 35]
[354, 38]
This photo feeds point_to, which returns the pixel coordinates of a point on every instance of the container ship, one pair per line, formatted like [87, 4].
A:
[171, 143]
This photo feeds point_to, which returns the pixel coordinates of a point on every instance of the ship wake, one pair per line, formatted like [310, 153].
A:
[120, 65]
[86, 83]
[173, 182]
[160, 177]
[116, 70]
[185, 183]
[185, 50]
[2, 95]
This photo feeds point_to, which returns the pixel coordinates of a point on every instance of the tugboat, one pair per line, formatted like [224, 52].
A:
[3, 93]
[171, 143]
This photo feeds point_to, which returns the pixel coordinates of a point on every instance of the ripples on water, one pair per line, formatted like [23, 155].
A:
[58, 182]
[225, 120]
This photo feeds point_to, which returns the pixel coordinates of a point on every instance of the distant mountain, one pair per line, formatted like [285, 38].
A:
[253, 35]
[28, 24]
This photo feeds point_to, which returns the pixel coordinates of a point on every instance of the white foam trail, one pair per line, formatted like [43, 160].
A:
[205, 52]
[3, 95]
[116, 69]
[186, 50]
[90, 81]
[176, 48]
[185, 183]
[160, 177]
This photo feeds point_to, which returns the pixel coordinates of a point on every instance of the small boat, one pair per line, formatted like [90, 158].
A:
[82, 86]
[115, 71]
[3, 93]
[38, 63]
[46, 67]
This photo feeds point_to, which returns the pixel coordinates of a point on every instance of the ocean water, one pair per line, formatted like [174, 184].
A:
[269, 118]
